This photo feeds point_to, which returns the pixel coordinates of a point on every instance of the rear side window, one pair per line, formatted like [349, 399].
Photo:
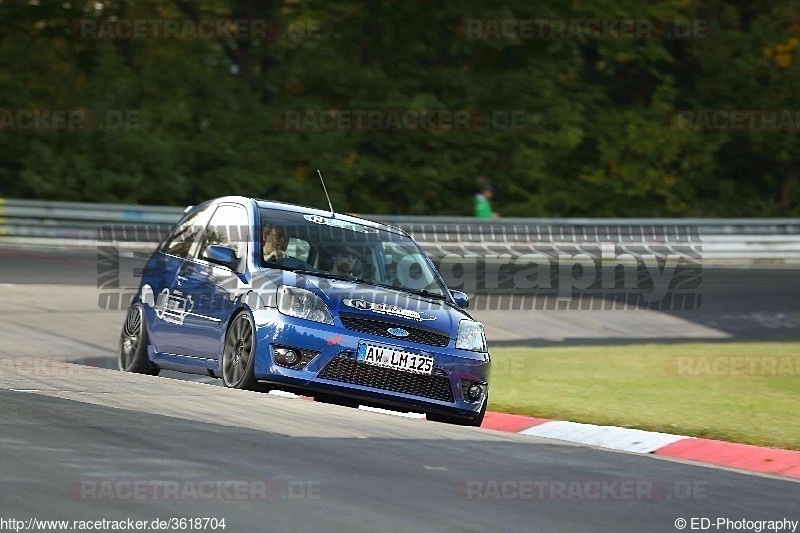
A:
[187, 233]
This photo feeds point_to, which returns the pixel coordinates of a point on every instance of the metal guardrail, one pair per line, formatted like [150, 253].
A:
[78, 221]
[77, 224]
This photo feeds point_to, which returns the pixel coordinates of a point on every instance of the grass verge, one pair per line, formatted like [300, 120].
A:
[738, 392]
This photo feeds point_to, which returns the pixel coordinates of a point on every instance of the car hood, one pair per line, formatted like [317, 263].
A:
[387, 305]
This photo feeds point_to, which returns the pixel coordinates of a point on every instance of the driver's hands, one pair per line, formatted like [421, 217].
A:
[276, 255]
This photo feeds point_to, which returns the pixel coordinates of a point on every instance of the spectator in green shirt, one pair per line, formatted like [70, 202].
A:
[483, 206]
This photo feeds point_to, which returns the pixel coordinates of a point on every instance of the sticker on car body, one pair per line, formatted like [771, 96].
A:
[335, 222]
[173, 307]
[388, 309]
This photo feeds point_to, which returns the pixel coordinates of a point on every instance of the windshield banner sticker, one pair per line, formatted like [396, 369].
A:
[317, 219]
[388, 309]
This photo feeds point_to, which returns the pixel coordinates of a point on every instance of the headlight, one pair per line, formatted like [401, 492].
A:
[301, 303]
[470, 336]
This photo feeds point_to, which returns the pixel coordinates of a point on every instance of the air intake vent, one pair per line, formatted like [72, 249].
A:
[348, 370]
[376, 327]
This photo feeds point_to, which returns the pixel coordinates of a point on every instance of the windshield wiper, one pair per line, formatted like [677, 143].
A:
[355, 279]
[426, 293]
[330, 275]
[418, 292]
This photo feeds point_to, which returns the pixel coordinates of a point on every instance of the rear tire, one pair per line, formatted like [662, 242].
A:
[132, 353]
[238, 354]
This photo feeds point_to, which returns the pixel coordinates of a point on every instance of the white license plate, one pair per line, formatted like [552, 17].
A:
[385, 356]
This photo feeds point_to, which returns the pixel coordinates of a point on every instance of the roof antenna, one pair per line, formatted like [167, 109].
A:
[333, 215]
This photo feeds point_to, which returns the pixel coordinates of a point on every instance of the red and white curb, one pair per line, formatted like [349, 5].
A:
[728, 454]
[720, 453]
[615, 438]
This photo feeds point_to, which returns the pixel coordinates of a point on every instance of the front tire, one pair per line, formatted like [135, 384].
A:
[238, 354]
[132, 353]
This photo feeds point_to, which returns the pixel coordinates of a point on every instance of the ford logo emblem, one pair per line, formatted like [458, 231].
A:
[398, 332]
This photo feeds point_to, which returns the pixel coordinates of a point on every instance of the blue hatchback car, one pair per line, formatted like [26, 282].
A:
[268, 295]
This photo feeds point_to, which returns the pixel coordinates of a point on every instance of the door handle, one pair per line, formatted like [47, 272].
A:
[181, 279]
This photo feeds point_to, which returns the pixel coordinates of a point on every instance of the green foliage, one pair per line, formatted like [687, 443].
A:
[598, 134]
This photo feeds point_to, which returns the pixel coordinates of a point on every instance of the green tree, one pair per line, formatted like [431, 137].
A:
[597, 131]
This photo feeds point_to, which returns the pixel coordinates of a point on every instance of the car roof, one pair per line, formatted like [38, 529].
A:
[305, 210]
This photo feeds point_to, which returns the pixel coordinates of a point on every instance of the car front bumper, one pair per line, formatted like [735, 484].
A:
[334, 369]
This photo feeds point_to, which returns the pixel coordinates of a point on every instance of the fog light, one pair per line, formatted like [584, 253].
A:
[285, 356]
[295, 358]
[291, 357]
[474, 392]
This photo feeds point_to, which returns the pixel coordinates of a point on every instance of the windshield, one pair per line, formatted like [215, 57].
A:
[337, 248]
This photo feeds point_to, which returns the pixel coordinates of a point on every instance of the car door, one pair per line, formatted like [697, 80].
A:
[210, 288]
[158, 279]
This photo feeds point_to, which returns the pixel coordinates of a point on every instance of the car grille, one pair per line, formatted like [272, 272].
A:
[347, 370]
[375, 327]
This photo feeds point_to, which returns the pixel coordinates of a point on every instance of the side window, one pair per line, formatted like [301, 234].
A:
[228, 227]
[187, 233]
[406, 266]
[392, 254]
[411, 273]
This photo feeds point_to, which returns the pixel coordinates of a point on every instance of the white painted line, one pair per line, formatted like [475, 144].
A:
[390, 412]
[615, 438]
[284, 394]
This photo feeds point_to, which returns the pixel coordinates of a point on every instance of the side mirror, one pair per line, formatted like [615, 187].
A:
[461, 298]
[221, 255]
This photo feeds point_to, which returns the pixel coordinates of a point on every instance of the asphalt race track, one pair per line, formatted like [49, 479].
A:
[82, 442]
[329, 468]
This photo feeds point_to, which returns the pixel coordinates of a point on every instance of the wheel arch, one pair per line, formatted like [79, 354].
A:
[236, 312]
